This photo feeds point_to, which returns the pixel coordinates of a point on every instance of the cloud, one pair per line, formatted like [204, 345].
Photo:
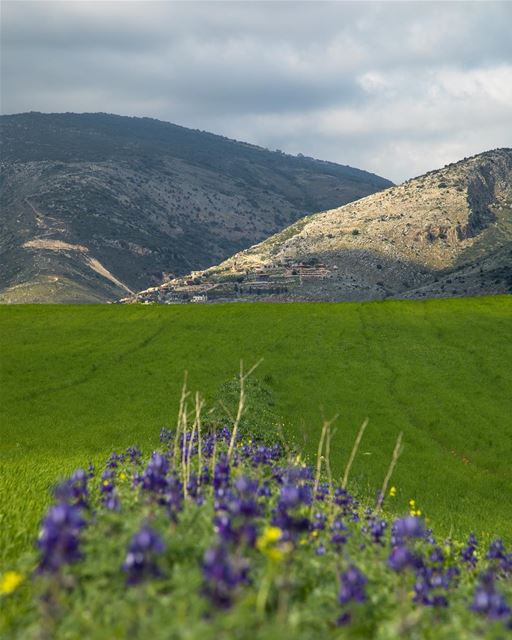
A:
[396, 88]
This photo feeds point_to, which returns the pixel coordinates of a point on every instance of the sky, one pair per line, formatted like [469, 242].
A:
[396, 88]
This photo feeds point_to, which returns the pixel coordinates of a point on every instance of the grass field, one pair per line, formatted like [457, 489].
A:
[79, 381]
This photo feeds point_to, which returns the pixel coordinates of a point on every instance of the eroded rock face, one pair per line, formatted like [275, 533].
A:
[404, 241]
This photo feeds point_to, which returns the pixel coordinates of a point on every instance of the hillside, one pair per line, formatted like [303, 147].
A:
[447, 233]
[94, 206]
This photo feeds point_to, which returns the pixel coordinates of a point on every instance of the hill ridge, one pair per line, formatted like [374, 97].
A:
[150, 200]
[405, 241]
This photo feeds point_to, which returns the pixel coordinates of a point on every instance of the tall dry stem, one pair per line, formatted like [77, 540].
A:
[195, 427]
[328, 437]
[184, 394]
[396, 454]
[184, 424]
[199, 407]
[325, 427]
[355, 448]
[241, 405]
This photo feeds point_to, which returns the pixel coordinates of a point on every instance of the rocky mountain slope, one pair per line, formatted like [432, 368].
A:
[448, 232]
[93, 206]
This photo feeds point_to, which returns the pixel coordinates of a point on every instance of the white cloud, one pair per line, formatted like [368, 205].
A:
[397, 88]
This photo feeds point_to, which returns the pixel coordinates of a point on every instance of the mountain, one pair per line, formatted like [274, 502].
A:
[94, 206]
[448, 232]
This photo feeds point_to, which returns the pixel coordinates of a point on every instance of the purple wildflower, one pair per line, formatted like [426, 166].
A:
[400, 558]
[140, 561]
[59, 538]
[73, 490]
[488, 600]
[468, 553]
[353, 583]
[353, 589]
[408, 527]
[222, 575]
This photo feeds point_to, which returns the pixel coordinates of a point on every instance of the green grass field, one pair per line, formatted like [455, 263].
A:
[79, 381]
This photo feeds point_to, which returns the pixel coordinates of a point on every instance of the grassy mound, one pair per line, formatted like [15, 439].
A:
[77, 382]
[219, 536]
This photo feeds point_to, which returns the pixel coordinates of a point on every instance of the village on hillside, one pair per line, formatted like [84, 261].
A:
[274, 279]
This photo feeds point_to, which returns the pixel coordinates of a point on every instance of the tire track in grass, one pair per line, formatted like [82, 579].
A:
[91, 372]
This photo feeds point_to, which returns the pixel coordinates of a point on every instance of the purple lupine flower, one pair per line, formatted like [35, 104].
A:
[294, 495]
[109, 497]
[353, 586]
[318, 523]
[353, 589]
[400, 558]
[437, 555]
[339, 535]
[154, 478]
[496, 550]
[166, 436]
[429, 585]
[140, 562]
[114, 460]
[408, 527]
[173, 496]
[235, 510]
[59, 537]
[204, 477]
[375, 527]
[322, 492]
[488, 600]
[222, 575]
[468, 553]
[265, 491]
[73, 490]
[221, 474]
[290, 524]
[135, 455]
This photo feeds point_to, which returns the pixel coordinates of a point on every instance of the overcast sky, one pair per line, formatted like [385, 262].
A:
[395, 88]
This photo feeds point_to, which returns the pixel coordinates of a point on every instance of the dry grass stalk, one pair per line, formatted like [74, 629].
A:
[396, 454]
[326, 426]
[184, 422]
[328, 436]
[199, 407]
[353, 453]
[184, 394]
[195, 427]
[241, 404]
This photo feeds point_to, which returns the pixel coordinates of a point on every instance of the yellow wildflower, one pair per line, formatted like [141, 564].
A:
[270, 535]
[267, 543]
[10, 581]
[122, 475]
[392, 492]
[275, 554]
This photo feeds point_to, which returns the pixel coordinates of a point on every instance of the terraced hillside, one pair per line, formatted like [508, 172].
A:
[447, 233]
[93, 206]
